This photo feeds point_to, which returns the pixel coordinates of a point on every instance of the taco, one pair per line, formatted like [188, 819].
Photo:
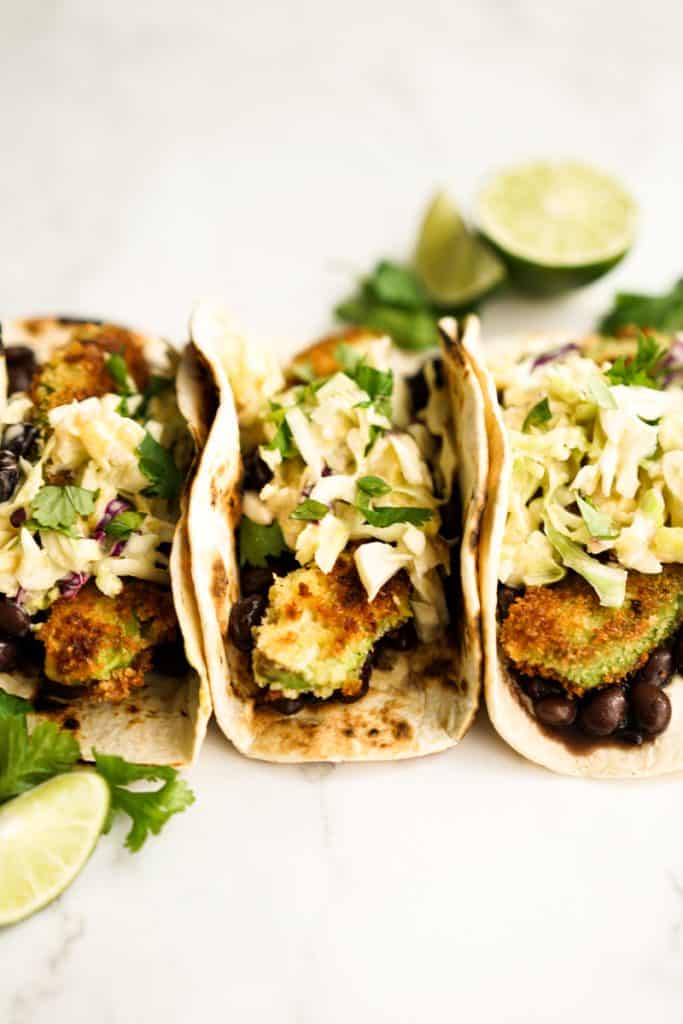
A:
[98, 624]
[333, 527]
[582, 552]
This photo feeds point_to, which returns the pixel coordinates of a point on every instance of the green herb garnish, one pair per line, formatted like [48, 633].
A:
[644, 369]
[156, 463]
[393, 301]
[149, 810]
[659, 312]
[537, 416]
[258, 543]
[56, 508]
[388, 515]
[118, 371]
[28, 759]
[310, 510]
[123, 524]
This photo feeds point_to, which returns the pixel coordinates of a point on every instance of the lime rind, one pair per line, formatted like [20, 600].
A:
[561, 216]
[456, 267]
[46, 837]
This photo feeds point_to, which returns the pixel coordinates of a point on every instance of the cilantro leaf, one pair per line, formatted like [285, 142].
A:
[387, 515]
[157, 464]
[391, 300]
[27, 759]
[373, 485]
[125, 523]
[537, 416]
[118, 371]
[390, 515]
[377, 384]
[11, 705]
[598, 523]
[258, 543]
[283, 442]
[56, 508]
[397, 285]
[645, 368]
[149, 810]
[660, 312]
[375, 432]
[310, 510]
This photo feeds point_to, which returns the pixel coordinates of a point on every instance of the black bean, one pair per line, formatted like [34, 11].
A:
[556, 711]
[419, 390]
[170, 660]
[678, 652]
[246, 613]
[256, 472]
[631, 736]
[658, 668]
[9, 474]
[21, 364]
[402, 639]
[286, 705]
[13, 619]
[651, 707]
[283, 565]
[602, 713]
[538, 688]
[18, 438]
[506, 595]
[438, 372]
[255, 580]
[18, 517]
[8, 655]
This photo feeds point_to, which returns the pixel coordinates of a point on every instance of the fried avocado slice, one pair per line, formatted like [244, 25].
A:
[106, 642]
[319, 629]
[563, 633]
[78, 369]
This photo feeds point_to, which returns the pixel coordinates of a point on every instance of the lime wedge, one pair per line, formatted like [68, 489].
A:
[558, 224]
[455, 266]
[46, 836]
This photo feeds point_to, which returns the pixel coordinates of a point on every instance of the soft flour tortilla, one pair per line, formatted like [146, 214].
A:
[422, 705]
[506, 707]
[164, 721]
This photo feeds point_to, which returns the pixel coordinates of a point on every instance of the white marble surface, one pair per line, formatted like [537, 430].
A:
[153, 152]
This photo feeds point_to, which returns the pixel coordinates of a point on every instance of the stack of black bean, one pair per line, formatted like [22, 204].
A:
[630, 712]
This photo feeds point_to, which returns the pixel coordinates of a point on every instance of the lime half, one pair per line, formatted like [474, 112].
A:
[557, 224]
[46, 836]
[455, 266]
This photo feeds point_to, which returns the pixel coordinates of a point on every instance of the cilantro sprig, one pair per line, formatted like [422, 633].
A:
[149, 810]
[29, 757]
[57, 508]
[645, 368]
[125, 523]
[392, 300]
[386, 515]
[118, 371]
[156, 463]
[633, 309]
[258, 543]
[310, 511]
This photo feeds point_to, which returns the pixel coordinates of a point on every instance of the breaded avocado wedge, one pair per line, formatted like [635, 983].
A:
[563, 633]
[319, 629]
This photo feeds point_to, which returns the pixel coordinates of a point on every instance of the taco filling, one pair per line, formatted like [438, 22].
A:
[93, 453]
[591, 571]
[345, 540]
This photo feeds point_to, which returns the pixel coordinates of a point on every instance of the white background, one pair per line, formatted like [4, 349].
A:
[154, 152]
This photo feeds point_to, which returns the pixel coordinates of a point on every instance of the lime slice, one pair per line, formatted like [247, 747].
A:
[558, 225]
[455, 266]
[46, 836]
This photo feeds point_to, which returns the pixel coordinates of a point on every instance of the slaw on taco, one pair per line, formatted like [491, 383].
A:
[582, 552]
[99, 427]
[334, 526]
